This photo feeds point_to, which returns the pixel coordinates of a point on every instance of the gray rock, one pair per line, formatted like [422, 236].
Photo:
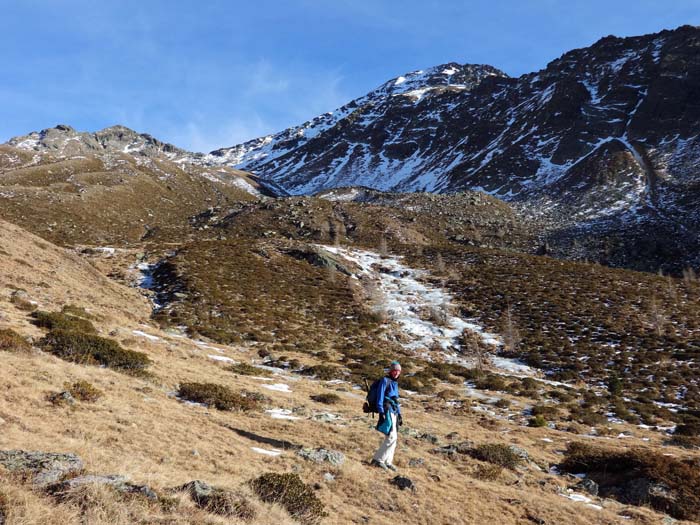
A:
[454, 448]
[119, 483]
[589, 486]
[416, 462]
[45, 467]
[328, 477]
[321, 455]
[62, 398]
[199, 491]
[520, 452]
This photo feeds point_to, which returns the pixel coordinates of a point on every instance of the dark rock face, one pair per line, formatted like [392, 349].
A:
[602, 141]
[44, 467]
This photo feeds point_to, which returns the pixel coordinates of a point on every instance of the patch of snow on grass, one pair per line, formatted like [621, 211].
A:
[278, 387]
[265, 452]
[147, 336]
[281, 413]
[221, 358]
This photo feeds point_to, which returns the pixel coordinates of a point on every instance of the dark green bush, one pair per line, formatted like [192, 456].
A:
[327, 398]
[84, 391]
[11, 341]
[63, 321]
[246, 369]
[498, 454]
[324, 372]
[491, 382]
[218, 396]
[91, 349]
[502, 403]
[537, 421]
[289, 491]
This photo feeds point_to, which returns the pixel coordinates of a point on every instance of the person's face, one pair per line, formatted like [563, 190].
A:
[394, 374]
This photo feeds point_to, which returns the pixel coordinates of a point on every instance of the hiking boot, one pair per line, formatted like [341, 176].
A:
[391, 467]
[379, 464]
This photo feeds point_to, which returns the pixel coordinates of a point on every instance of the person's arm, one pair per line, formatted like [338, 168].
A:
[380, 396]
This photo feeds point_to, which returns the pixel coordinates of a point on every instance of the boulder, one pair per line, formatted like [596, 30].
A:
[588, 485]
[44, 467]
[119, 483]
[403, 483]
[321, 455]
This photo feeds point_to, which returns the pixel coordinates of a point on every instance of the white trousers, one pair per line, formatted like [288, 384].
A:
[385, 452]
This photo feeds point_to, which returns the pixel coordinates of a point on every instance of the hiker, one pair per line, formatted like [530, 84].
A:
[389, 410]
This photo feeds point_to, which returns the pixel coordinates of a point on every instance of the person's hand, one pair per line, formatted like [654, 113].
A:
[399, 420]
[382, 418]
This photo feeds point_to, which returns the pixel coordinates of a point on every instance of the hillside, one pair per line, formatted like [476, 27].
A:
[113, 186]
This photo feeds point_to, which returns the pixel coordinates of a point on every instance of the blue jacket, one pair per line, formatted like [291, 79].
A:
[388, 393]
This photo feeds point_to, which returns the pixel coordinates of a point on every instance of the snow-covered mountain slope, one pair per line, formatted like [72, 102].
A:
[606, 136]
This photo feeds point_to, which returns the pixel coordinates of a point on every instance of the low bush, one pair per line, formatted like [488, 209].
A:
[22, 303]
[689, 442]
[226, 503]
[487, 472]
[324, 372]
[63, 321]
[76, 311]
[502, 403]
[84, 391]
[218, 396]
[491, 382]
[89, 349]
[497, 454]
[546, 411]
[11, 341]
[537, 421]
[289, 491]
[246, 369]
[327, 398]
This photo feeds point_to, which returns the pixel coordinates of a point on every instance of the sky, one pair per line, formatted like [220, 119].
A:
[214, 73]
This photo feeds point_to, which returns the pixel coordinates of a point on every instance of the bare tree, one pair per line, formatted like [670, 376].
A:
[509, 330]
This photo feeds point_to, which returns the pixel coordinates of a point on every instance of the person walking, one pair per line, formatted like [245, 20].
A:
[390, 419]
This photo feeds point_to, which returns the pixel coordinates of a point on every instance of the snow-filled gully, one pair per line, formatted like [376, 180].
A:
[407, 299]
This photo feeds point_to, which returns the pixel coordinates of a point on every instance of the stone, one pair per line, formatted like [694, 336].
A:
[588, 485]
[321, 455]
[416, 462]
[328, 477]
[45, 467]
[520, 452]
[403, 483]
[62, 398]
[119, 483]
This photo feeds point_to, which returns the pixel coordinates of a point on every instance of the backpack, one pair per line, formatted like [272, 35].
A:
[370, 404]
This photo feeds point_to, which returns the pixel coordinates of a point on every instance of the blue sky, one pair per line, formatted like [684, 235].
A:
[207, 74]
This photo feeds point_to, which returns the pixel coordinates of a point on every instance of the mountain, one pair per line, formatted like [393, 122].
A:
[603, 143]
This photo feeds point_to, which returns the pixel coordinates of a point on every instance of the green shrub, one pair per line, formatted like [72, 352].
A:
[246, 369]
[218, 396]
[76, 311]
[487, 472]
[497, 454]
[11, 341]
[94, 350]
[289, 491]
[227, 503]
[502, 403]
[324, 372]
[84, 391]
[546, 411]
[491, 382]
[537, 421]
[327, 398]
[690, 428]
[63, 321]
[689, 442]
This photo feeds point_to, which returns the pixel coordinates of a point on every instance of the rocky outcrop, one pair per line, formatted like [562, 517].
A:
[43, 468]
